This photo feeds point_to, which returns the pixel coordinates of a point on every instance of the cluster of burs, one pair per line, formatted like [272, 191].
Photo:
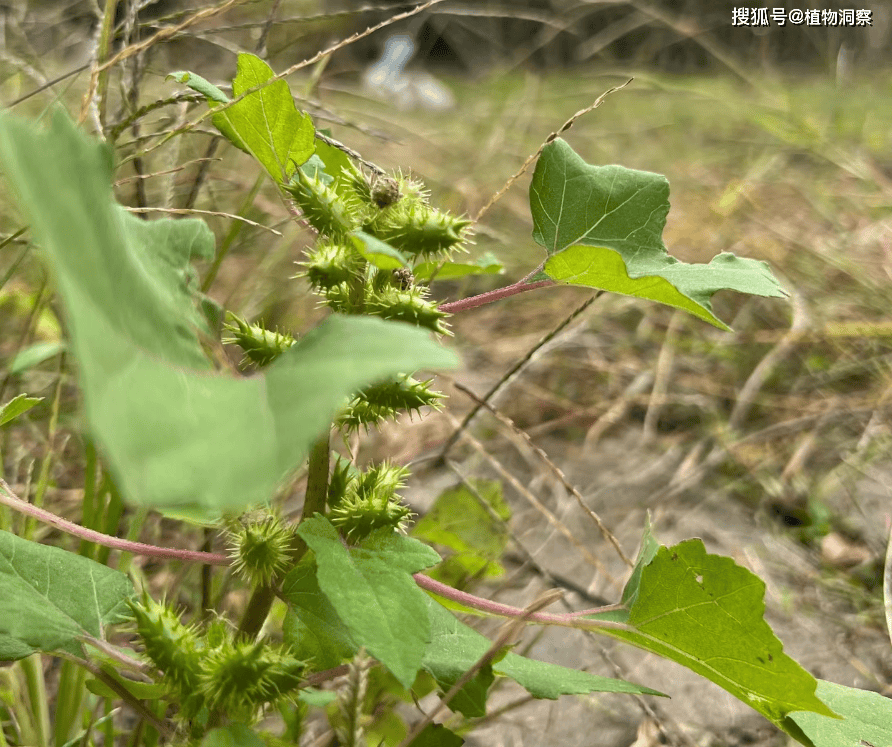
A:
[346, 212]
[211, 670]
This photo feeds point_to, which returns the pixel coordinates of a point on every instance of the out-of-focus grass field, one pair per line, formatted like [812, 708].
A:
[787, 417]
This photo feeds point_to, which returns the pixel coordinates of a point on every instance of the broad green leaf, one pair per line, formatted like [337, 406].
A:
[266, 122]
[16, 406]
[460, 523]
[35, 355]
[707, 613]
[488, 264]
[455, 648]
[312, 630]
[49, 597]
[200, 85]
[602, 227]
[866, 718]
[377, 252]
[437, 735]
[177, 434]
[371, 588]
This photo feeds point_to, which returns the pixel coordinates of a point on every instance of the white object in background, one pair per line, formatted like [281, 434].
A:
[387, 80]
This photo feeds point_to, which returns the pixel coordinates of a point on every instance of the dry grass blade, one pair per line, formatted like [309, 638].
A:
[605, 532]
[193, 211]
[887, 585]
[134, 49]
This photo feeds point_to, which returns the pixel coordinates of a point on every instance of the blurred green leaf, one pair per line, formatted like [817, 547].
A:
[35, 355]
[459, 522]
[487, 264]
[866, 718]
[176, 433]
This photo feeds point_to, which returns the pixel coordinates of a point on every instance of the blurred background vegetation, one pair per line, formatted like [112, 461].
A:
[777, 145]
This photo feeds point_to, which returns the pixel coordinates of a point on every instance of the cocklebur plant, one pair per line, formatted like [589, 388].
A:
[181, 437]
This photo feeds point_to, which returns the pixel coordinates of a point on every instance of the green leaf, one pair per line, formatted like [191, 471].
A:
[602, 227]
[49, 597]
[437, 735]
[455, 648]
[377, 252]
[312, 630]
[460, 523]
[867, 718]
[487, 264]
[371, 589]
[35, 355]
[266, 123]
[175, 433]
[200, 85]
[234, 735]
[16, 406]
[707, 613]
[139, 690]
[337, 163]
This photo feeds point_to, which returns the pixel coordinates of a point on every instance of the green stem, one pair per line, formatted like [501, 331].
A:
[32, 667]
[105, 39]
[314, 502]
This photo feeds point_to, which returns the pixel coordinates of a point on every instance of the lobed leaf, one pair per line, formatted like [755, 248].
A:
[602, 227]
[707, 613]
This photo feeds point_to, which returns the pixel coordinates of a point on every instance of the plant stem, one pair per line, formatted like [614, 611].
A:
[521, 286]
[102, 51]
[262, 599]
[314, 502]
[8, 498]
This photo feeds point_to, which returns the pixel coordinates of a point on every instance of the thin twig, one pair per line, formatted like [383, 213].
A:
[193, 211]
[509, 633]
[511, 373]
[553, 520]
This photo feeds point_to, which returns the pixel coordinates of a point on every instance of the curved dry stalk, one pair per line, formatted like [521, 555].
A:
[553, 520]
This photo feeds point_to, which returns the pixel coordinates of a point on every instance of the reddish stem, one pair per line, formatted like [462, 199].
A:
[521, 286]
[8, 498]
